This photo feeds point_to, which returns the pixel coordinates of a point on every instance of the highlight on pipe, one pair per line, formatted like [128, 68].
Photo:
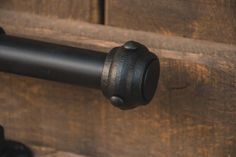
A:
[128, 75]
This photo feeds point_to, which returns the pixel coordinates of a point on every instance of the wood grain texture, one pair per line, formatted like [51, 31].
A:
[85, 10]
[213, 20]
[192, 114]
[40, 151]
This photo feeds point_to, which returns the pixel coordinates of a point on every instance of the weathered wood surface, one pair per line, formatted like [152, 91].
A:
[192, 114]
[213, 20]
[85, 10]
[51, 152]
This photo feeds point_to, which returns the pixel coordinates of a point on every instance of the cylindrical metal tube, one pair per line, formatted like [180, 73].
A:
[51, 61]
[128, 75]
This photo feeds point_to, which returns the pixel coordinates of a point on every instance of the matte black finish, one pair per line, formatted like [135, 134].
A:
[9, 148]
[51, 61]
[128, 75]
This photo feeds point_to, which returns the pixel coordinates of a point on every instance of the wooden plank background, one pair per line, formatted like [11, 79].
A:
[213, 20]
[41, 151]
[192, 114]
[85, 10]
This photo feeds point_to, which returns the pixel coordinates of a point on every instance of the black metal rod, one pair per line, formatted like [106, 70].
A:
[128, 75]
[51, 61]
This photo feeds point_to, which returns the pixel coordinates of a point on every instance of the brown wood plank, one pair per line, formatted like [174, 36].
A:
[40, 151]
[213, 20]
[192, 114]
[85, 10]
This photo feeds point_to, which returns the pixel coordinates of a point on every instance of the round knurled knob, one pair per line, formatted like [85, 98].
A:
[130, 75]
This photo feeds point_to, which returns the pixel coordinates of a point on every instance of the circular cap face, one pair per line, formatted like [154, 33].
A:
[150, 80]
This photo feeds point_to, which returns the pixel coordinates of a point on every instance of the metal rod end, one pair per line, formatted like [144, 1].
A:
[130, 75]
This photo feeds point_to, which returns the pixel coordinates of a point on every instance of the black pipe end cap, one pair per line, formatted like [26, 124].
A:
[130, 75]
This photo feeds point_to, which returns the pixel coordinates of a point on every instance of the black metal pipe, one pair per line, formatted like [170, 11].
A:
[51, 61]
[127, 75]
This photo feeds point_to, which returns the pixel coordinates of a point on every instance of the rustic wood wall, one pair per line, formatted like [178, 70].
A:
[213, 20]
[85, 10]
[192, 114]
